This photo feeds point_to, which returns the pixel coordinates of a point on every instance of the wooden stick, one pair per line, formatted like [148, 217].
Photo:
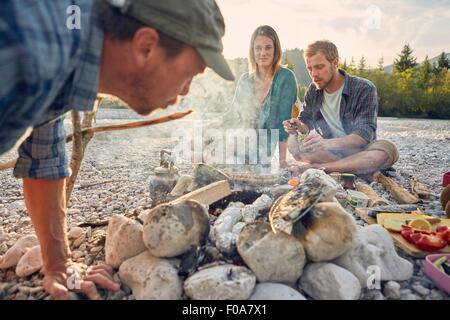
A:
[374, 199]
[419, 189]
[398, 192]
[77, 154]
[133, 125]
[208, 194]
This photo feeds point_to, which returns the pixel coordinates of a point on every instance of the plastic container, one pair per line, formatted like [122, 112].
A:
[357, 198]
[446, 179]
[441, 279]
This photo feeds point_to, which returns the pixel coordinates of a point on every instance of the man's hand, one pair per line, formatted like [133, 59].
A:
[291, 126]
[80, 278]
[316, 143]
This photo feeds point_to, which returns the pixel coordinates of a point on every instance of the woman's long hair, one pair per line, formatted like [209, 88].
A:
[269, 32]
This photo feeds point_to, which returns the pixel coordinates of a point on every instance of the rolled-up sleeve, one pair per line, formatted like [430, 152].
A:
[287, 97]
[365, 115]
[43, 154]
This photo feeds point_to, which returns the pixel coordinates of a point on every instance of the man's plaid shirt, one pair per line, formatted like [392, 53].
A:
[46, 69]
[358, 113]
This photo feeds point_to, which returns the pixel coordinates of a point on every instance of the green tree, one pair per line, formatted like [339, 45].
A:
[352, 64]
[362, 65]
[405, 59]
[344, 65]
[443, 62]
[381, 64]
[425, 71]
[287, 62]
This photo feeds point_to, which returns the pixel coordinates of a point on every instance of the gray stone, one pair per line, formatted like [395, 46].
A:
[287, 257]
[374, 295]
[250, 212]
[3, 235]
[13, 255]
[373, 250]
[171, 229]
[224, 282]
[436, 295]
[275, 291]
[151, 278]
[123, 240]
[420, 289]
[182, 186]
[30, 262]
[119, 295]
[222, 230]
[327, 281]
[392, 290]
[410, 296]
[75, 233]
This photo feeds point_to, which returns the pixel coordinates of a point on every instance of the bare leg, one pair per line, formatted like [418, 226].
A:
[317, 157]
[361, 163]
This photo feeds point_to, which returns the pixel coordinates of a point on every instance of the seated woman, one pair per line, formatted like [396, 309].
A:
[263, 99]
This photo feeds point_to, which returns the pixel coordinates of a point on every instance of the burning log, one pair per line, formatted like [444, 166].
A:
[397, 191]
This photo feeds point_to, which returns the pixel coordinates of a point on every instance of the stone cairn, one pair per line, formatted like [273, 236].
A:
[267, 241]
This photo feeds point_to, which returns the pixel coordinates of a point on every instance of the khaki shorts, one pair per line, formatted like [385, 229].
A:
[382, 145]
[388, 147]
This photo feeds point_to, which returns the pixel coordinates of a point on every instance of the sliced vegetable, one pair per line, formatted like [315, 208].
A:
[446, 268]
[440, 261]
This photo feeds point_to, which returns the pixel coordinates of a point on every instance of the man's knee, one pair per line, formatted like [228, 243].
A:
[388, 149]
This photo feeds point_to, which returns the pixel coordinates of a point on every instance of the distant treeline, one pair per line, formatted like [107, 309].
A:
[410, 89]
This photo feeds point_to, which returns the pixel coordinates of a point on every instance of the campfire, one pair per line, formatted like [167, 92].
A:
[228, 235]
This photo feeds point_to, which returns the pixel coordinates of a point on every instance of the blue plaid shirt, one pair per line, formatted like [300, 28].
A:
[358, 112]
[46, 69]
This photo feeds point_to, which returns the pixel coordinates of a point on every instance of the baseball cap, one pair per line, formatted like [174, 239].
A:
[198, 23]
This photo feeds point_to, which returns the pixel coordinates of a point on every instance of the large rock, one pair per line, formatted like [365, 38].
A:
[251, 211]
[30, 262]
[204, 174]
[374, 248]
[123, 240]
[13, 255]
[222, 231]
[330, 233]
[272, 257]
[225, 282]
[182, 186]
[75, 233]
[171, 229]
[327, 281]
[275, 291]
[151, 278]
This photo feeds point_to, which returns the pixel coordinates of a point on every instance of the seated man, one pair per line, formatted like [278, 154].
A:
[342, 110]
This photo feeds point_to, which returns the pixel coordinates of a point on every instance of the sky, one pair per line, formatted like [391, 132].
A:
[371, 28]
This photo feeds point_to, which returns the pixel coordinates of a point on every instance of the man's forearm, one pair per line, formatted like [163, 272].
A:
[350, 142]
[46, 205]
